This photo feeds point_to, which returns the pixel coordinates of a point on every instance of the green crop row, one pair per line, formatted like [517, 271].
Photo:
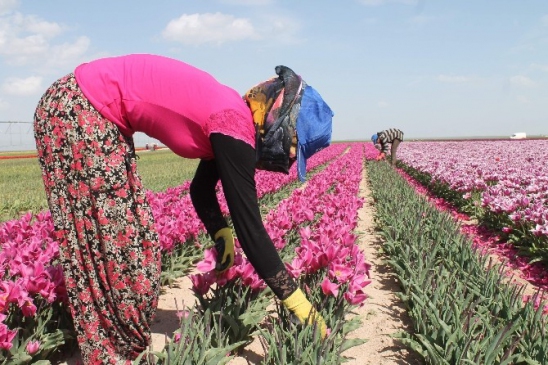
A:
[521, 235]
[226, 319]
[463, 308]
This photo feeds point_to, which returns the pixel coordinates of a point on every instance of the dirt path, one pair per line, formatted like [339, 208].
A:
[382, 314]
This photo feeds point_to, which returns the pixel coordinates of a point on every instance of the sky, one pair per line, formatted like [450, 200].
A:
[432, 68]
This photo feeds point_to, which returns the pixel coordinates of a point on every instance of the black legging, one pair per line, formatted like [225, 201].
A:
[234, 164]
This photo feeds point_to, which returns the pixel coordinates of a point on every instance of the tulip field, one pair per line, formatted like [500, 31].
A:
[442, 213]
[502, 184]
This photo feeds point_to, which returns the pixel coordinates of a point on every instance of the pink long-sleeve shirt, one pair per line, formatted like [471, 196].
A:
[167, 99]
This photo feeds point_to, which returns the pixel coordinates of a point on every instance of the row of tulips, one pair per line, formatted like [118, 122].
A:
[324, 244]
[483, 236]
[180, 230]
[312, 228]
[489, 241]
[32, 287]
[463, 307]
[503, 184]
[176, 219]
[328, 264]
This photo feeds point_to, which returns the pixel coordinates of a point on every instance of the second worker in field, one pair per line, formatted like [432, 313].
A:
[382, 139]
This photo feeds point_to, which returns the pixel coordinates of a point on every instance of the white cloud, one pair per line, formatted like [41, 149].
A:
[68, 53]
[8, 5]
[208, 28]
[523, 99]
[22, 50]
[453, 79]
[3, 104]
[22, 87]
[383, 104]
[31, 40]
[34, 25]
[27, 39]
[521, 80]
[539, 67]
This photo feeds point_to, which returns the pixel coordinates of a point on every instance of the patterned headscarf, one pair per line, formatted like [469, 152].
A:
[275, 105]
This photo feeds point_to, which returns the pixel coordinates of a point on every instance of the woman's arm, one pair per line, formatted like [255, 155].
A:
[204, 198]
[236, 165]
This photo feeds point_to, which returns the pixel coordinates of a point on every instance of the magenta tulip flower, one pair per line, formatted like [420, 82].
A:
[208, 263]
[28, 308]
[4, 294]
[341, 272]
[6, 335]
[295, 268]
[183, 314]
[200, 283]
[329, 288]
[33, 347]
[355, 298]
[250, 278]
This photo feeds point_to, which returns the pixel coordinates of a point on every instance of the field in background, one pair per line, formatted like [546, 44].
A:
[21, 187]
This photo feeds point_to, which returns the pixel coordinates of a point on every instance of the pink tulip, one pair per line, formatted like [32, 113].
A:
[209, 261]
[356, 297]
[183, 314]
[58, 280]
[330, 288]
[4, 294]
[305, 232]
[6, 336]
[250, 278]
[295, 268]
[331, 252]
[33, 347]
[341, 272]
[358, 282]
[28, 308]
[200, 283]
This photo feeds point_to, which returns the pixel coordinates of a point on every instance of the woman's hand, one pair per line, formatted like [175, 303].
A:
[303, 310]
[224, 244]
[380, 156]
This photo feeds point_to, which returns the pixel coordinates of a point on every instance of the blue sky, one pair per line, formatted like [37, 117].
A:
[433, 68]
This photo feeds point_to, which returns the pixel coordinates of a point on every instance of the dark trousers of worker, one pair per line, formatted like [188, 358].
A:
[234, 165]
[393, 151]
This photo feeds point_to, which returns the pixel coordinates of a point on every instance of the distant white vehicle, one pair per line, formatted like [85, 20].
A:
[518, 135]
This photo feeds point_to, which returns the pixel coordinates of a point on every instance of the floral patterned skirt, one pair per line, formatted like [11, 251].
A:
[109, 248]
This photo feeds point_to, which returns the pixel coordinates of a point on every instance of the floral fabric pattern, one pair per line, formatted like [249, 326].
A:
[109, 248]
